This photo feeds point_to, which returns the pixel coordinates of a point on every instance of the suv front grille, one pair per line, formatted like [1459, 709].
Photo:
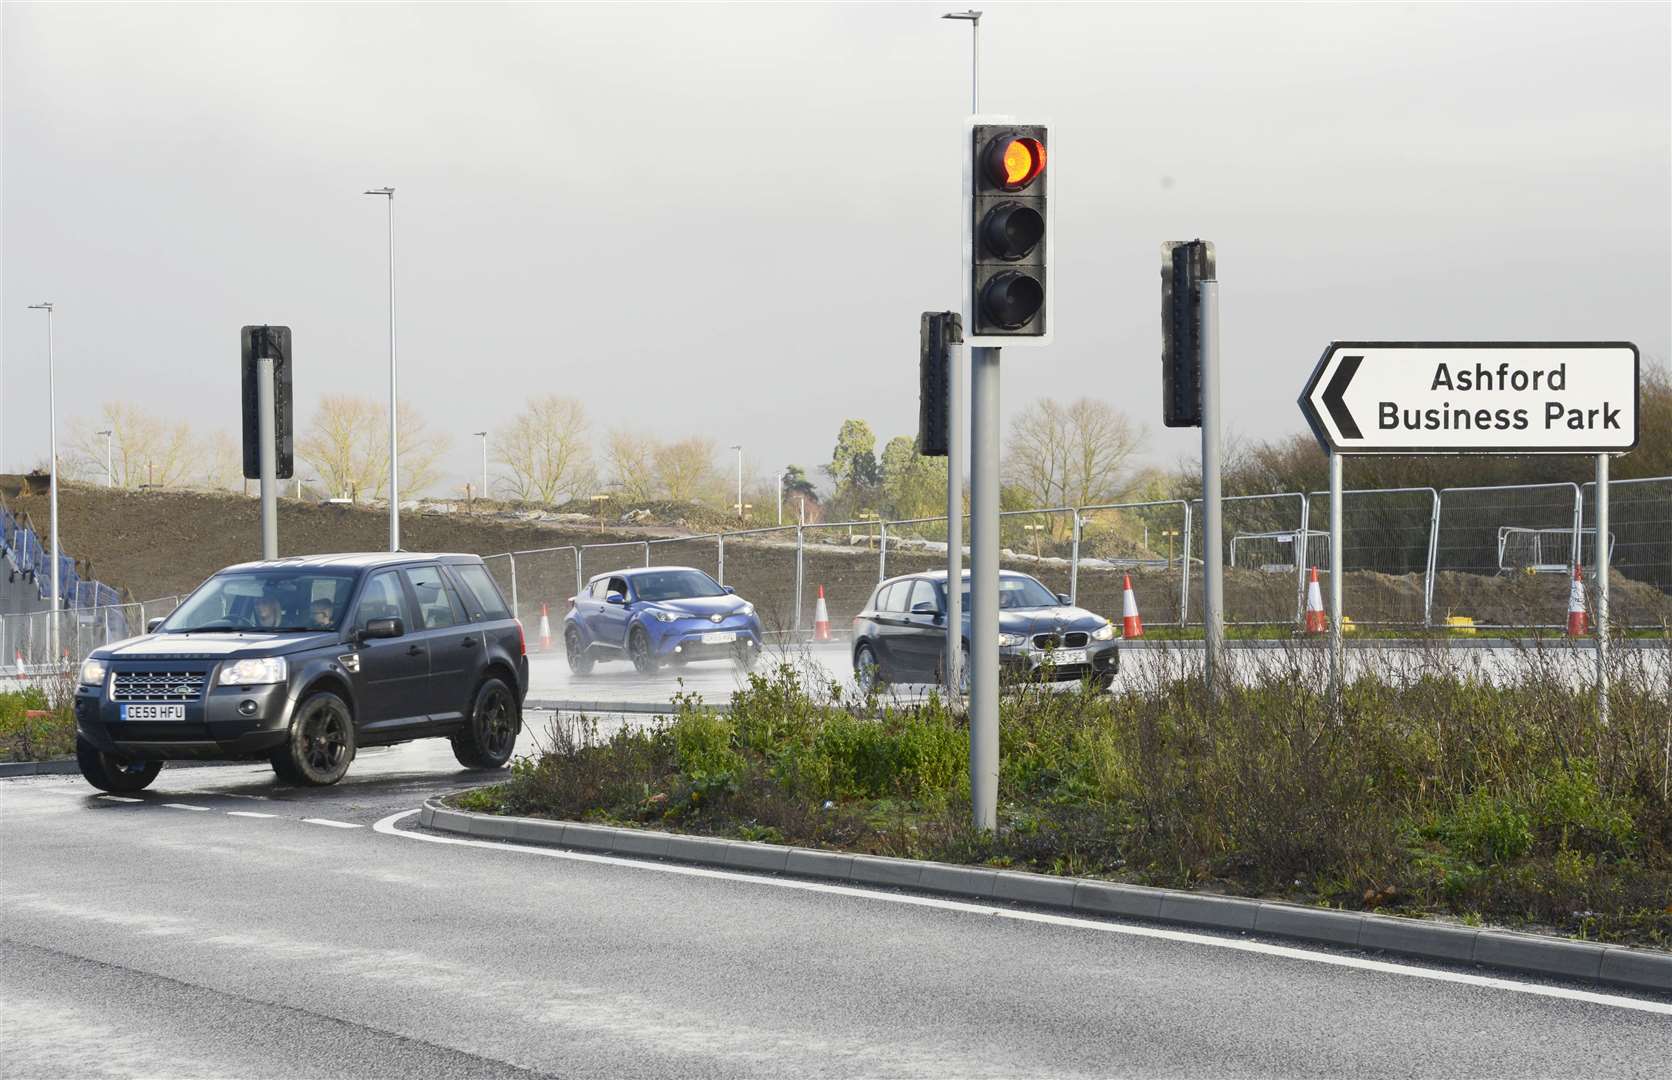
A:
[1074, 639]
[158, 685]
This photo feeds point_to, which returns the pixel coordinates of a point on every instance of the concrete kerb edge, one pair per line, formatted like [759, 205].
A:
[1557, 958]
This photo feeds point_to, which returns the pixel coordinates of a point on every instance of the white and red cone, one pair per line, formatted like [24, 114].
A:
[545, 629]
[1134, 626]
[1578, 621]
[20, 671]
[1316, 621]
[821, 619]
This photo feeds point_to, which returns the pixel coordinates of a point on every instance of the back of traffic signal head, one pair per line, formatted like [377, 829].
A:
[937, 333]
[1007, 217]
[1185, 264]
[268, 343]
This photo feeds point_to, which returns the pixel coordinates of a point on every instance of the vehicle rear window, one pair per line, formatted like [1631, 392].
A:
[437, 607]
[893, 598]
[485, 594]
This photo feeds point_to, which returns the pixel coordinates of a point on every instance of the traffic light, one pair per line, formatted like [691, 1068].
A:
[1007, 218]
[259, 343]
[1184, 265]
[938, 332]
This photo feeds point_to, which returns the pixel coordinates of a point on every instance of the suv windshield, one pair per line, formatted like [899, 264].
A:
[276, 601]
[675, 585]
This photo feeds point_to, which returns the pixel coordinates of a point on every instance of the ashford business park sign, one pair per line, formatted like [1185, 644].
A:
[1451, 397]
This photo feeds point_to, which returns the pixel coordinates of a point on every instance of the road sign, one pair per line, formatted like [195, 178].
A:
[268, 343]
[1474, 397]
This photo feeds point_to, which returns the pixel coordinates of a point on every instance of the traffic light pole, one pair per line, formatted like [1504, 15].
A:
[269, 459]
[984, 586]
[956, 451]
[1213, 526]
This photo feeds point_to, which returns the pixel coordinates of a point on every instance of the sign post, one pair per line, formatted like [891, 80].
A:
[268, 421]
[1475, 397]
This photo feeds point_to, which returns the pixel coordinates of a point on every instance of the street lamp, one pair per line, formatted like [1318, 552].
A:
[781, 495]
[52, 472]
[601, 500]
[974, 19]
[1169, 534]
[394, 406]
[1036, 530]
[484, 437]
[739, 450]
[110, 473]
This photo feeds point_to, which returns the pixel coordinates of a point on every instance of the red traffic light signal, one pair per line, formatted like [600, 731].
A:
[1007, 211]
[1014, 163]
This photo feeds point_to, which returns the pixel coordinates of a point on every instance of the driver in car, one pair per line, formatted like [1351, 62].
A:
[322, 614]
[267, 612]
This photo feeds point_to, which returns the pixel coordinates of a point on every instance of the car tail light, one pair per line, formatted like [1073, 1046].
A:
[522, 642]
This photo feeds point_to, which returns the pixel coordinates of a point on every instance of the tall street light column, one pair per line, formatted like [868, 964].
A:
[52, 474]
[394, 398]
[484, 437]
[739, 450]
[110, 470]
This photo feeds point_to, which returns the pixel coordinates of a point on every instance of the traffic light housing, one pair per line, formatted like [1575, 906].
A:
[937, 333]
[1007, 232]
[263, 342]
[1185, 264]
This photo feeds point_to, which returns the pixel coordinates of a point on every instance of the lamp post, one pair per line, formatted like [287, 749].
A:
[601, 500]
[52, 472]
[1169, 534]
[781, 495]
[1036, 530]
[394, 405]
[484, 437]
[974, 19]
[739, 450]
[110, 472]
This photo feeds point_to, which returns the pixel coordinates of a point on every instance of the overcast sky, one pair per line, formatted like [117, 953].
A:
[725, 219]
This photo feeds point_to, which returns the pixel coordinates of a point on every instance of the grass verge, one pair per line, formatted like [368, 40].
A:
[1428, 794]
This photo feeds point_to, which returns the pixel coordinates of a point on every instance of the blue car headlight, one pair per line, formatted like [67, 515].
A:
[747, 610]
[665, 616]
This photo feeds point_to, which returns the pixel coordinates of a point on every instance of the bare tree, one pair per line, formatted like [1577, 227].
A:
[685, 469]
[145, 448]
[631, 458]
[1071, 455]
[546, 451]
[347, 444]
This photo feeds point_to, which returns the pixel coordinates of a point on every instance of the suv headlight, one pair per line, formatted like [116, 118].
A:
[93, 672]
[665, 616]
[746, 609]
[1009, 640]
[272, 669]
[1104, 632]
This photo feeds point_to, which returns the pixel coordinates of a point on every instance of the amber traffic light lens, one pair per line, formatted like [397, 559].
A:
[1015, 163]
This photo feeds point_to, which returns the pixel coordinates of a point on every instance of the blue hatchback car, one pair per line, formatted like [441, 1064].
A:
[659, 615]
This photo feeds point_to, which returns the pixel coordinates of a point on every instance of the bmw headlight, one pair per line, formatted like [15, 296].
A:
[664, 616]
[272, 669]
[1010, 640]
[746, 609]
[1104, 632]
[93, 672]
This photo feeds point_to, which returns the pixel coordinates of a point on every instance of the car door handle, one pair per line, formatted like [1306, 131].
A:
[468, 643]
[415, 650]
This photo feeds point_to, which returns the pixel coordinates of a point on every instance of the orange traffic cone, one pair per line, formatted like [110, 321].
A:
[1129, 611]
[20, 672]
[1578, 623]
[821, 619]
[1316, 621]
[545, 629]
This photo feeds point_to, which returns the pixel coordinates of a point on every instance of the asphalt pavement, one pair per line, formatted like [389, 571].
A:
[224, 925]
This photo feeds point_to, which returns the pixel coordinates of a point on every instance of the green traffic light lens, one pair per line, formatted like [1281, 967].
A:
[1011, 299]
[1011, 230]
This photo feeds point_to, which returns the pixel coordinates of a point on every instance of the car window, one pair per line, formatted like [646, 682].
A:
[489, 603]
[437, 606]
[382, 598]
[675, 585]
[599, 588]
[921, 593]
[894, 597]
[616, 585]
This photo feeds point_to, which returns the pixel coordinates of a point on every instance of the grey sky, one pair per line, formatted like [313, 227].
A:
[725, 219]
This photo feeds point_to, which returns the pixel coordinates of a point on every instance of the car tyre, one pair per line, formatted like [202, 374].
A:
[580, 661]
[638, 650]
[867, 673]
[107, 772]
[321, 742]
[1102, 683]
[746, 656]
[490, 734]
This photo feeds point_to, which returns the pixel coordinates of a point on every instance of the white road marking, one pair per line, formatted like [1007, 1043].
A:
[332, 824]
[120, 798]
[387, 826]
[183, 806]
[247, 813]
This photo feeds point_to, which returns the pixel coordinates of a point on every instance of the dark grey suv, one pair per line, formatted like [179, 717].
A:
[301, 661]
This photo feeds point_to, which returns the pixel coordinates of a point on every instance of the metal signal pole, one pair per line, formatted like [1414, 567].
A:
[394, 397]
[984, 586]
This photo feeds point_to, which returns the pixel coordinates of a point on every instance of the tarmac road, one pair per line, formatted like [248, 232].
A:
[222, 925]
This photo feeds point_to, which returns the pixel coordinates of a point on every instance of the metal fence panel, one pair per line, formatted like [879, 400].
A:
[544, 580]
[1485, 564]
[1386, 534]
[1640, 527]
[1147, 541]
[1267, 594]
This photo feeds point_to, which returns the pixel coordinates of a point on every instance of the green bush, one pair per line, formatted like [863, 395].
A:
[36, 738]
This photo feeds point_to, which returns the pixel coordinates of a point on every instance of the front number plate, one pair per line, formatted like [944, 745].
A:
[1065, 657]
[153, 712]
[719, 637]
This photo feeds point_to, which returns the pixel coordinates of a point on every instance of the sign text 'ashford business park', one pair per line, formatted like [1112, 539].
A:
[1474, 397]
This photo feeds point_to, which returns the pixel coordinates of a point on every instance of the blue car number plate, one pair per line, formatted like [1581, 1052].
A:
[153, 712]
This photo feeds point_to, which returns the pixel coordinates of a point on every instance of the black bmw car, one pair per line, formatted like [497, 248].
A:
[901, 635]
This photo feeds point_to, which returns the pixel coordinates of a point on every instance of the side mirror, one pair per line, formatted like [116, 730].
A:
[729, 589]
[924, 607]
[1065, 600]
[615, 598]
[382, 628]
[151, 625]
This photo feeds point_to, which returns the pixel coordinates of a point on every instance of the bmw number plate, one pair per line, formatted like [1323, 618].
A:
[1065, 657]
[153, 712]
[719, 637]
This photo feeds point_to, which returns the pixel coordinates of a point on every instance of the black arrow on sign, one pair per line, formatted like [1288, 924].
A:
[1332, 397]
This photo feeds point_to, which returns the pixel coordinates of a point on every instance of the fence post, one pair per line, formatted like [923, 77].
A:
[882, 549]
[1578, 529]
[800, 576]
[578, 582]
[1184, 574]
[1074, 563]
[1433, 557]
[1303, 555]
[720, 557]
[647, 552]
[516, 609]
